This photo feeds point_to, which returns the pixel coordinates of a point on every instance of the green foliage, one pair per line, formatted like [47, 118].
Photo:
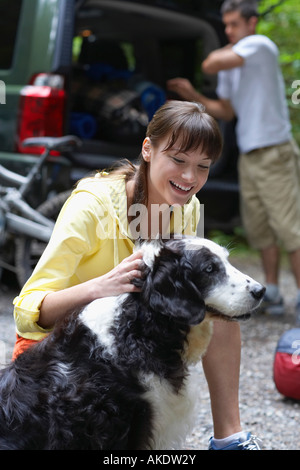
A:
[236, 242]
[281, 23]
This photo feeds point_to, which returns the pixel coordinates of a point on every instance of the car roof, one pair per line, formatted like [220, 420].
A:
[135, 19]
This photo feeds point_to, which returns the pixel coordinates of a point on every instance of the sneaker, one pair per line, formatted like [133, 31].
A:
[271, 306]
[251, 443]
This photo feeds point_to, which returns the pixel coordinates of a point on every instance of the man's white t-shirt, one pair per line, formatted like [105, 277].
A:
[257, 94]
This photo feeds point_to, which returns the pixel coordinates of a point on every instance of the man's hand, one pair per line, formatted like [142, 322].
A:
[219, 109]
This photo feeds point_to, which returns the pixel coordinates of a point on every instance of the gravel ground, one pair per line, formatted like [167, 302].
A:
[275, 419]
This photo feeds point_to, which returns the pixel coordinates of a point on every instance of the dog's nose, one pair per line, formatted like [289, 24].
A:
[257, 291]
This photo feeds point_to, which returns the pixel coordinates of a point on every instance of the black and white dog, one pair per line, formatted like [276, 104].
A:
[116, 374]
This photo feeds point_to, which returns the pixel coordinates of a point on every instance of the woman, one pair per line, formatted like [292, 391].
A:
[90, 251]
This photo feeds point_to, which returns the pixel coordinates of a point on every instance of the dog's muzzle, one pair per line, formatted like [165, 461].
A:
[257, 292]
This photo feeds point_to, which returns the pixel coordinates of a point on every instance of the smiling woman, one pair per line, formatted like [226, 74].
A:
[174, 176]
[180, 139]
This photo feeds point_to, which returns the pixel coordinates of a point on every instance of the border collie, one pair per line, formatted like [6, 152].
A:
[116, 374]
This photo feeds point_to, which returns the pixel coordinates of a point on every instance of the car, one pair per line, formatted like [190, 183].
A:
[98, 69]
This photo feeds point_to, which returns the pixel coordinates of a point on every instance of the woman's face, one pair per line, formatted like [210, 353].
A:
[173, 176]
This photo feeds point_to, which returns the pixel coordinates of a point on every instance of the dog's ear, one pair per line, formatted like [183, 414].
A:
[151, 250]
[184, 310]
[169, 289]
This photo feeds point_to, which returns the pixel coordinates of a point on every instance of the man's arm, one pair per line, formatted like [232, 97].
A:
[221, 59]
[219, 109]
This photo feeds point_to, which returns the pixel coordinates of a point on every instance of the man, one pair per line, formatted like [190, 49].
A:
[250, 87]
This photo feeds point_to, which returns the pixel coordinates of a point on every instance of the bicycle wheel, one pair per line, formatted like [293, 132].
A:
[29, 250]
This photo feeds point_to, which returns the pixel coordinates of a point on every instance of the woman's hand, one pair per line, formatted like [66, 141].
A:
[119, 279]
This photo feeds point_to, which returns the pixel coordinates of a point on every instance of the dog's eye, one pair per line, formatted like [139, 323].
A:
[209, 268]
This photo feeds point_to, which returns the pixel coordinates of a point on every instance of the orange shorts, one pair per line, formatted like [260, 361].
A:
[21, 345]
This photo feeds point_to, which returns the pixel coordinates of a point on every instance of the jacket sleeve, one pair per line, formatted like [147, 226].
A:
[79, 231]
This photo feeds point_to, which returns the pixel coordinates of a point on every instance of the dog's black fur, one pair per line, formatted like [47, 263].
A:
[91, 404]
[68, 393]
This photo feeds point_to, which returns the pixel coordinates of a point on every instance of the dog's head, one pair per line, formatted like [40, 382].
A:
[185, 278]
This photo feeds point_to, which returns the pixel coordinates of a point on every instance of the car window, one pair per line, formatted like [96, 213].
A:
[9, 18]
[182, 58]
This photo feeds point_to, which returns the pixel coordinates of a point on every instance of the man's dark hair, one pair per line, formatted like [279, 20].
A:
[247, 8]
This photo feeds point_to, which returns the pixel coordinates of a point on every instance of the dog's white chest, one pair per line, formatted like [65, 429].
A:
[174, 413]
